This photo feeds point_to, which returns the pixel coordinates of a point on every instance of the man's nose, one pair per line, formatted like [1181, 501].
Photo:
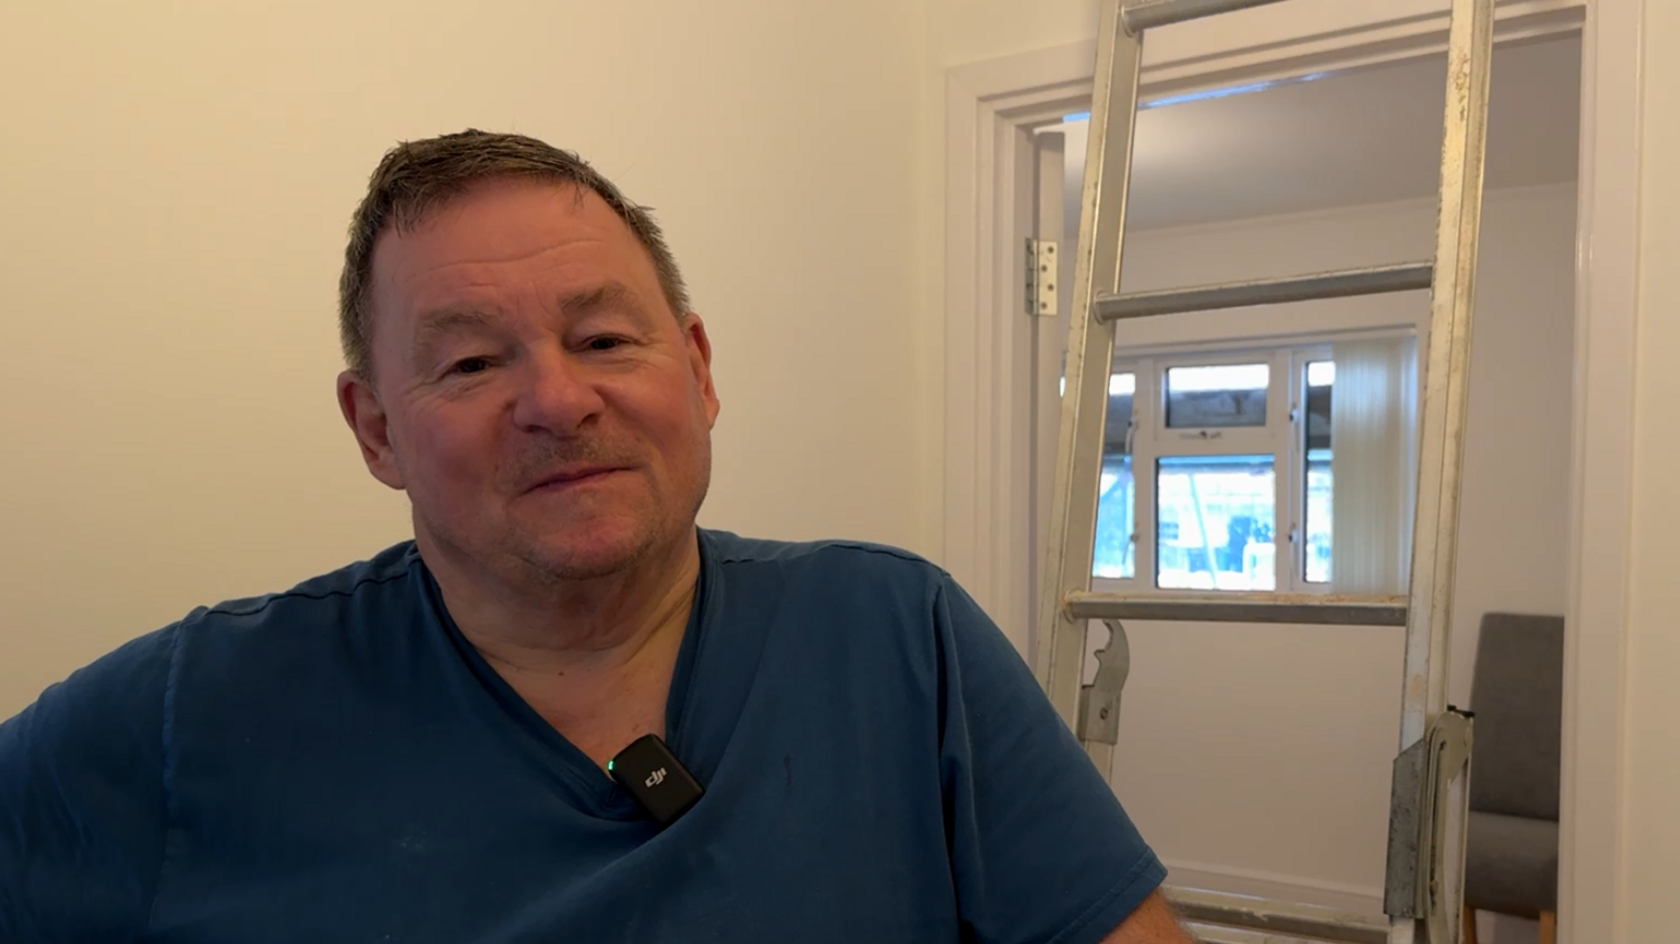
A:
[556, 393]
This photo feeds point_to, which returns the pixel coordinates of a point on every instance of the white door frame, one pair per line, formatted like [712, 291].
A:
[991, 108]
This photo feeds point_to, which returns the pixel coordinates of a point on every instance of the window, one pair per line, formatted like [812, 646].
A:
[1216, 472]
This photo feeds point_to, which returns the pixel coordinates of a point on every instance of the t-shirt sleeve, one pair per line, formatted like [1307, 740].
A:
[82, 804]
[1040, 848]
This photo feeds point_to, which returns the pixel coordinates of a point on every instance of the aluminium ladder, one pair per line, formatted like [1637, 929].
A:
[1424, 884]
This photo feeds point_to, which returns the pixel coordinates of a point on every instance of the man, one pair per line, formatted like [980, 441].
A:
[422, 746]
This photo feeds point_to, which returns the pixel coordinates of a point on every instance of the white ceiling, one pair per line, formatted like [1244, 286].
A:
[1366, 136]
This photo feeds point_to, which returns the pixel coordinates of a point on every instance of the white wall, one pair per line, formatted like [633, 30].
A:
[177, 179]
[973, 30]
[1651, 857]
[1264, 752]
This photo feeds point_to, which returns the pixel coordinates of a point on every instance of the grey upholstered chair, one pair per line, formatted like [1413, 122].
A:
[1517, 696]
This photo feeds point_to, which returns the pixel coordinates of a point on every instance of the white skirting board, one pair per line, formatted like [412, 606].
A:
[1491, 928]
[1346, 897]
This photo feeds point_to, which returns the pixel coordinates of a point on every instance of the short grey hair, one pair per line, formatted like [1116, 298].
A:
[416, 177]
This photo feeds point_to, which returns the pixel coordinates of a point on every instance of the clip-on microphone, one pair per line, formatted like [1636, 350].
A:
[660, 784]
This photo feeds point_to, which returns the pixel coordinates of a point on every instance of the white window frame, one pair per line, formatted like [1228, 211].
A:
[1283, 437]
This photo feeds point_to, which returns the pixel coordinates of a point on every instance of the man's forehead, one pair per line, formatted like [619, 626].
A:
[503, 209]
[509, 223]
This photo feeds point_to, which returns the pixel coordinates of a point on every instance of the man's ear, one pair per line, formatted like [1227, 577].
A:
[366, 416]
[700, 362]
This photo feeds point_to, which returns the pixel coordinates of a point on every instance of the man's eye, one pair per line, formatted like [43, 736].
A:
[470, 365]
[604, 343]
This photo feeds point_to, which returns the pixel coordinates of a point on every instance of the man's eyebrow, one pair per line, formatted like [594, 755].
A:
[588, 301]
[437, 325]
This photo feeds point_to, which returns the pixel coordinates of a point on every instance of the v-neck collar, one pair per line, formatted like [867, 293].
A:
[579, 777]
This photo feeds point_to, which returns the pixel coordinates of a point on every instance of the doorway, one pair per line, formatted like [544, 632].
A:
[1218, 446]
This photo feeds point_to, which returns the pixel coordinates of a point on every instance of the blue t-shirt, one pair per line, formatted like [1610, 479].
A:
[337, 763]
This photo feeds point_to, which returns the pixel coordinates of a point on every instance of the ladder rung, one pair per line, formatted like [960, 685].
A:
[1278, 917]
[1376, 280]
[1140, 15]
[1233, 607]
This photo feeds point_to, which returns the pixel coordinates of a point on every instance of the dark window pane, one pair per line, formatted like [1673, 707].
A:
[1321, 381]
[1217, 396]
[1216, 523]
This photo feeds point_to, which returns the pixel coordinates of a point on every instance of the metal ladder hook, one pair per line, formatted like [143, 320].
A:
[1099, 702]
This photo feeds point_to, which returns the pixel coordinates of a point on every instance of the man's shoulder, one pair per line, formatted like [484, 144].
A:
[836, 557]
[833, 583]
[334, 634]
[323, 609]
[319, 594]
[225, 646]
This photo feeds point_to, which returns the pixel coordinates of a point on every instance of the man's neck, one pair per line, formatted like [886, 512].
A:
[594, 658]
[566, 627]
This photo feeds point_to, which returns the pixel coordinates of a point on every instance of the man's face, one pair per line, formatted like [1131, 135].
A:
[542, 405]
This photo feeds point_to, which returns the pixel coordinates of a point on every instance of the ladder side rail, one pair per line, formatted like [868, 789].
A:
[1060, 643]
[1440, 468]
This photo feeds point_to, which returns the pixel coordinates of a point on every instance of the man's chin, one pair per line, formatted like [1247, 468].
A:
[588, 567]
[591, 558]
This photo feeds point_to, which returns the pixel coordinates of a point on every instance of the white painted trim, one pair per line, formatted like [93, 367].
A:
[988, 352]
[1015, 369]
[1601, 480]
[1279, 886]
[1263, 43]
[965, 275]
[1195, 56]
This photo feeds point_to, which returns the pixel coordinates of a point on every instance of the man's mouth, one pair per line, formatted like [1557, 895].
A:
[572, 477]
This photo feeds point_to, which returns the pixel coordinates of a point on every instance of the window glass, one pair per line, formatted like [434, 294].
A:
[1216, 523]
[1112, 556]
[1217, 396]
[1321, 382]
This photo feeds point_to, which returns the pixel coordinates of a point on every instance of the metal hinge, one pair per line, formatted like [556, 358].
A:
[1041, 277]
